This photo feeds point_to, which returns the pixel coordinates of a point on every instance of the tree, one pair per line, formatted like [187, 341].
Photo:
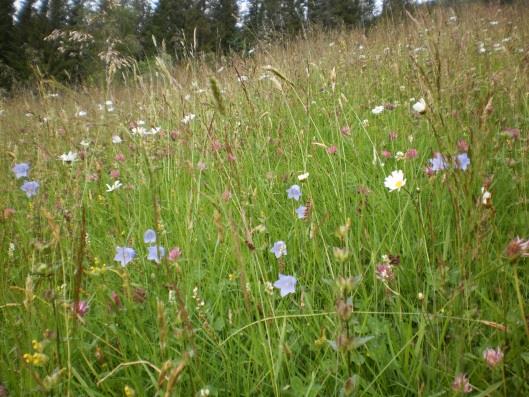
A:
[224, 17]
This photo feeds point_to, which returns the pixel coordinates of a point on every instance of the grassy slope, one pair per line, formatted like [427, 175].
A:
[243, 339]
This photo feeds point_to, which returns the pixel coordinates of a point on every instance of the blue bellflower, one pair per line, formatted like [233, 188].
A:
[294, 192]
[124, 255]
[462, 161]
[438, 163]
[30, 188]
[149, 236]
[286, 285]
[156, 253]
[279, 249]
[21, 170]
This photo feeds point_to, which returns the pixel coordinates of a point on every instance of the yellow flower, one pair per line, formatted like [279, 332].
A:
[129, 391]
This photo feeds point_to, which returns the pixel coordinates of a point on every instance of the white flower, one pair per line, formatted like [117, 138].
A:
[69, 157]
[109, 103]
[419, 106]
[303, 177]
[395, 180]
[81, 113]
[85, 142]
[188, 118]
[377, 109]
[116, 139]
[139, 131]
[486, 198]
[242, 79]
[116, 185]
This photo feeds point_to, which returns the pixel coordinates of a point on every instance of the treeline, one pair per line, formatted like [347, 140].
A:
[72, 40]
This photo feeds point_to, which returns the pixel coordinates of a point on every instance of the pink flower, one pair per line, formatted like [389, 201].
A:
[120, 157]
[493, 356]
[332, 149]
[411, 153]
[392, 135]
[226, 195]
[386, 154]
[232, 157]
[345, 130]
[116, 299]
[429, 171]
[513, 133]
[216, 145]
[114, 174]
[174, 254]
[461, 384]
[81, 308]
[462, 145]
[517, 247]
[384, 272]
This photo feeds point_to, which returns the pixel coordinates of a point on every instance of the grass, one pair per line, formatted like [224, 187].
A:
[208, 321]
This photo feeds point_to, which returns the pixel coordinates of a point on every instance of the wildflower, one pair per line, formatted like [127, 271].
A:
[156, 253]
[462, 161]
[279, 249]
[301, 212]
[419, 106]
[114, 174]
[386, 154]
[486, 197]
[116, 139]
[30, 188]
[81, 113]
[462, 145]
[286, 285]
[516, 248]
[116, 185]
[395, 181]
[85, 142]
[438, 163]
[269, 287]
[340, 254]
[115, 299]
[332, 149]
[294, 192]
[188, 118]
[68, 158]
[384, 272]
[202, 166]
[204, 392]
[129, 391]
[461, 384]
[345, 131]
[392, 136]
[399, 156]
[124, 255]
[8, 213]
[21, 170]
[411, 153]
[120, 157]
[139, 130]
[493, 356]
[513, 133]
[149, 237]
[377, 109]
[81, 308]
[303, 177]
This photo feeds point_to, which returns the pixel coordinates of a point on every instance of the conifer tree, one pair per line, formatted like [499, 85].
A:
[224, 17]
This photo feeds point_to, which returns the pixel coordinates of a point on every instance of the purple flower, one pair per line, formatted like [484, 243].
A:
[81, 308]
[384, 272]
[294, 192]
[149, 237]
[30, 188]
[301, 212]
[462, 161]
[124, 255]
[438, 163]
[156, 253]
[286, 285]
[279, 249]
[21, 170]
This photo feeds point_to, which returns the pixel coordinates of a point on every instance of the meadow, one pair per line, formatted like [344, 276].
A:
[341, 214]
